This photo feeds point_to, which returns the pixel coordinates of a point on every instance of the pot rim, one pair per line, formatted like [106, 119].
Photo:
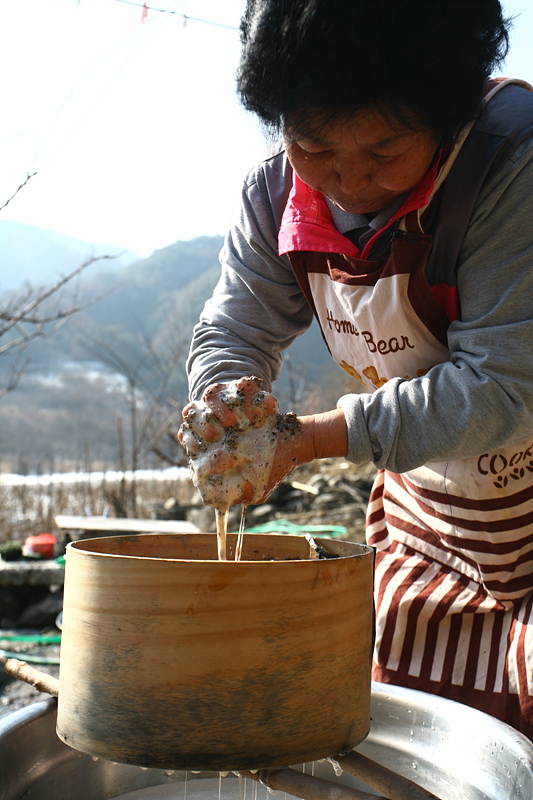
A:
[80, 546]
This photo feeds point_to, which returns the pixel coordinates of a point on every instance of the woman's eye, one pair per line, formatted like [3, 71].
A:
[382, 156]
[316, 154]
[312, 153]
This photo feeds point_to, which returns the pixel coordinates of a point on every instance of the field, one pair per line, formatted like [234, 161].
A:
[29, 504]
[328, 492]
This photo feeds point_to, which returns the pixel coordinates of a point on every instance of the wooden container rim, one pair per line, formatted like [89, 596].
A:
[362, 550]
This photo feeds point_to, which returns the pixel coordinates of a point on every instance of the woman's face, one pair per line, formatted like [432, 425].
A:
[364, 163]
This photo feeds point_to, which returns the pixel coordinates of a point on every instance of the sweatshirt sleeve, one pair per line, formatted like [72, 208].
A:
[482, 397]
[257, 309]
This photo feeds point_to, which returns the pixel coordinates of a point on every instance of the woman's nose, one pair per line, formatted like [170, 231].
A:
[352, 175]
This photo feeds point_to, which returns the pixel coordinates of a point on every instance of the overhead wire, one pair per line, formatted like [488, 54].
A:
[186, 17]
[73, 90]
[107, 85]
[168, 10]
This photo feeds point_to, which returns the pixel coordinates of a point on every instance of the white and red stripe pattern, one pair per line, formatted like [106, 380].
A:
[440, 627]
[453, 540]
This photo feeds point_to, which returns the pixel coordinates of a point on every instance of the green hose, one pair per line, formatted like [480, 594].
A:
[13, 637]
[52, 660]
[36, 639]
[285, 526]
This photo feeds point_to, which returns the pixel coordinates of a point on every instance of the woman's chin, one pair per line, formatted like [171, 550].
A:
[364, 207]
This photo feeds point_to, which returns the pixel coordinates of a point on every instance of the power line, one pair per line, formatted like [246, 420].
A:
[73, 90]
[100, 58]
[167, 10]
[107, 85]
[185, 17]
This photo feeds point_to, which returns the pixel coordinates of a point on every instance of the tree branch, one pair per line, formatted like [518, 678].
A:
[22, 185]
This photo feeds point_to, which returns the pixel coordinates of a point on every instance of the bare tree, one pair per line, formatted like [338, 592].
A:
[34, 313]
[152, 414]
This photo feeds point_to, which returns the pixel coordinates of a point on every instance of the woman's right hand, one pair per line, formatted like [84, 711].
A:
[240, 447]
[231, 437]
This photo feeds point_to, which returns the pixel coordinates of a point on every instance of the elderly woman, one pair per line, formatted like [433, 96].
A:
[397, 210]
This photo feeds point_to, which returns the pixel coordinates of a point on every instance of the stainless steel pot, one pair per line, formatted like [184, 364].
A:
[453, 751]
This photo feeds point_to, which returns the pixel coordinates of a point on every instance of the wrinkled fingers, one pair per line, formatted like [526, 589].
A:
[199, 419]
[257, 404]
[189, 440]
[224, 414]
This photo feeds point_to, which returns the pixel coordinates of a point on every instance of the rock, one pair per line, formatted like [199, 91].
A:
[280, 493]
[11, 551]
[204, 518]
[10, 607]
[41, 613]
[328, 500]
[259, 514]
[170, 510]
[317, 480]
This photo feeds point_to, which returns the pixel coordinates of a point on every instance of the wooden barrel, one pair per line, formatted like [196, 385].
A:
[173, 659]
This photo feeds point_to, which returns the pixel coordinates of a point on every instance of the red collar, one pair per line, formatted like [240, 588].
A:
[307, 223]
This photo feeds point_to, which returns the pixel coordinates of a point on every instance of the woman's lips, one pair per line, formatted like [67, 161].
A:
[367, 207]
[357, 208]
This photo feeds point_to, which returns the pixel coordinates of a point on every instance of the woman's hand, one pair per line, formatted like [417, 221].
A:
[240, 446]
[231, 436]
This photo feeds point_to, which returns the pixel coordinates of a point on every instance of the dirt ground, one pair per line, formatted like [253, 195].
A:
[16, 694]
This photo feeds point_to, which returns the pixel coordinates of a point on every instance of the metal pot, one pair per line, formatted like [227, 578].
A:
[452, 750]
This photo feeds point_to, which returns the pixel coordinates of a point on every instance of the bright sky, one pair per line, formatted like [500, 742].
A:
[134, 128]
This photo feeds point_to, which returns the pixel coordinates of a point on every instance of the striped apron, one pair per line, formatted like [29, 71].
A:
[454, 540]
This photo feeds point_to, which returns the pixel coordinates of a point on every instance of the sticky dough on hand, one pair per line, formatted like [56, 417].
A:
[232, 465]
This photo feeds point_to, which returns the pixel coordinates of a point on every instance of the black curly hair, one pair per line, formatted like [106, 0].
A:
[306, 63]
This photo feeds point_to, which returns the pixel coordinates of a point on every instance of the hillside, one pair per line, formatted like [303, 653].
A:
[79, 381]
[29, 254]
[128, 304]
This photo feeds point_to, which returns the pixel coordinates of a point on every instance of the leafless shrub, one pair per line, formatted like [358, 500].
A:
[30, 508]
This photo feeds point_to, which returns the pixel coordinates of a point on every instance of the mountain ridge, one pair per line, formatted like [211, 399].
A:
[38, 256]
[146, 312]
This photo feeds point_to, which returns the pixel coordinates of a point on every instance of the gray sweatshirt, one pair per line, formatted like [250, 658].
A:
[477, 401]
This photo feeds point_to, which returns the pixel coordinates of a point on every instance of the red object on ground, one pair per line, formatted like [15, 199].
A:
[43, 544]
